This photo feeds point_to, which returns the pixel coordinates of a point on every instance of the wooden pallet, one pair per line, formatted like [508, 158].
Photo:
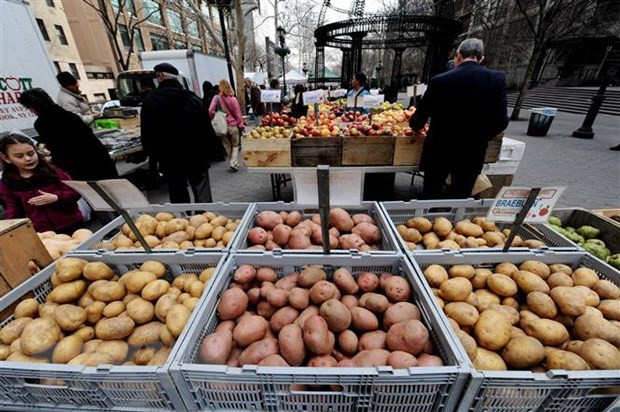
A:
[314, 151]
[266, 152]
[368, 151]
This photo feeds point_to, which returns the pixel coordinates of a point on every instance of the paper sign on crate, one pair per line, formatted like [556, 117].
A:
[510, 200]
[374, 92]
[338, 93]
[270, 96]
[315, 96]
[373, 101]
[416, 90]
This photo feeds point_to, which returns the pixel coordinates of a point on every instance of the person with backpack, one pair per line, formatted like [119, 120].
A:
[227, 103]
[172, 124]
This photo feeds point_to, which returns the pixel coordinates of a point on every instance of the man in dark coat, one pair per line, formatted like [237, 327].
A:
[73, 145]
[252, 100]
[467, 107]
[172, 123]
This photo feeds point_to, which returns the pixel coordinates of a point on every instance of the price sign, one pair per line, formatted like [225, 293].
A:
[338, 93]
[270, 96]
[374, 92]
[510, 200]
[373, 101]
[313, 97]
[416, 90]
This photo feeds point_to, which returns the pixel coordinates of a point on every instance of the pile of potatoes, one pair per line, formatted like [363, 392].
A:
[287, 230]
[92, 316]
[304, 319]
[58, 245]
[532, 316]
[164, 231]
[442, 234]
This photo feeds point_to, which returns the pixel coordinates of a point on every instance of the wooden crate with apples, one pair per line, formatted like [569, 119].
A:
[368, 150]
[269, 152]
[408, 150]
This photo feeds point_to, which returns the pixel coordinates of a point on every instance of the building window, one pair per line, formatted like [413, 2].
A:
[50, 3]
[159, 42]
[137, 35]
[100, 97]
[116, 5]
[153, 10]
[125, 37]
[60, 32]
[174, 21]
[180, 44]
[131, 7]
[192, 28]
[90, 75]
[57, 66]
[197, 47]
[74, 70]
[44, 33]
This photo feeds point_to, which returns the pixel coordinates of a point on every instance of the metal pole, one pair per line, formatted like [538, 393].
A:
[585, 131]
[226, 51]
[283, 78]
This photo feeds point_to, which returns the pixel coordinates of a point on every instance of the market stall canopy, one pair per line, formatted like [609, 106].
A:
[257, 77]
[294, 77]
[330, 76]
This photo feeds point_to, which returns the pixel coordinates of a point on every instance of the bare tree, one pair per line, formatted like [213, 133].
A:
[116, 16]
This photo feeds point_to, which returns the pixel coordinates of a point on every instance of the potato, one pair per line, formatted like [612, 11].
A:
[538, 268]
[367, 282]
[560, 267]
[86, 333]
[547, 331]
[15, 346]
[233, 303]
[291, 343]
[467, 228]
[560, 359]
[374, 302]
[507, 268]
[69, 269]
[410, 336]
[511, 313]
[244, 274]
[166, 337]
[363, 319]
[176, 225]
[114, 328]
[278, 298]
[116, 349]
[488, 360]
[288, 282]
[258, 351]
[158, 288]
[113, 309]
[400, 312]
[455, 289]
[39, 336]
[96, 271]
[469, 343]
[486, 299]
[145, 335]
[523, 352]
[502, 285]
[85, 300]
[463, 313]
[5, 351]
[177, 317]
[299, 298]
[371, 358]
[27, 308]
[13, 330]
[422, 224]
[572, 345]
[249, 330]
[610, 308]
[512, 302]
[429, 360]
[435, 275]
[569, 300]
[479, 281]
[311, 275]
[591, 298]
[94, 312]
[322, 291]
[397, 289]
[341, 220]
[336, 314]
[69, 317]
[529, 282]
[542, 305]
[559, 279]
[268, 219]
[606, 289]
[431, 240]
[492, 331]
[282, 317]
[109, 291]
[92, 359]
[91, 346]
[372, 340]
[137, 280]
[442, 226]
[67, 292]
[600, 354]
[160, 357]
[316, 335]
[589, 327]
[143, 356]
[142, 311]
[585, 277]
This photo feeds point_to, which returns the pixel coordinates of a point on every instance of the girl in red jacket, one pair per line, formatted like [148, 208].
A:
[31, 187]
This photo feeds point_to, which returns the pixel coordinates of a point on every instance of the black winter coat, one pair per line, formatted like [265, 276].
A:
[74, 147]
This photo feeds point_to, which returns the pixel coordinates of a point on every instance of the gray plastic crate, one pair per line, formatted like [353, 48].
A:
[389, 243]
[111, 230]
[399, 212]
[105, 387]
[576, 217]
[218, 387]
[521, 391]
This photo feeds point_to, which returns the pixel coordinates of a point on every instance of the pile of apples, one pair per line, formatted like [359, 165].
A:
[269, 132]
[394, 116]
[353, 116]
[277, 119]
[329, 129]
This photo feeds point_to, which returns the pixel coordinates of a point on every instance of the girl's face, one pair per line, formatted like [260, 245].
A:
[22, 155]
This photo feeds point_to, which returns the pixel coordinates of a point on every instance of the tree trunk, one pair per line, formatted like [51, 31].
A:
[240, 26]
[523, 87]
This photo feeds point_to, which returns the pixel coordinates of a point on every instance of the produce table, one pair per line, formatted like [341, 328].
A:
[346, 183]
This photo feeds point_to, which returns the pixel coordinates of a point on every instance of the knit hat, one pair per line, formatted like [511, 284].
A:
[166, 68]
[65, 79]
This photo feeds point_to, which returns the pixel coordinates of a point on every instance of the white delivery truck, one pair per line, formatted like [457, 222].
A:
[24, 64]
[194, 68]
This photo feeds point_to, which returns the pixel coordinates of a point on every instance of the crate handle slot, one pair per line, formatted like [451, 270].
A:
[604, 392]
[337, 389]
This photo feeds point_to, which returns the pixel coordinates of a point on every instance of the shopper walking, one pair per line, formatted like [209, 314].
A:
[32, 188]
[172, 124]
[73, 145]
[252, 101]
[70, 98]
[208, 93]
[227, 102]
[298, 108]
[467, 107]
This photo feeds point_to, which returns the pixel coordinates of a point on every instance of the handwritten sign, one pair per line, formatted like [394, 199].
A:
[270, 96]
[373, 101]
[313, 97]
[338, 93]
[510, 200]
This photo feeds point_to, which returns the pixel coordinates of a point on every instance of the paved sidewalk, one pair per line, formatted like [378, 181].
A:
[588, 169]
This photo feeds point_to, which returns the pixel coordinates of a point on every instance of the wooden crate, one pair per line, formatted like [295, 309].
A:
[368, 151]
[19, 245]
[266, 152]
[494, 148]
[408, 150]
[498, 181]
[314, 151]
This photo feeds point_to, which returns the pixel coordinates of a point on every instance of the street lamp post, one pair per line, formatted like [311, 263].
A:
[379, 68]
[585, 131]
[282, 51]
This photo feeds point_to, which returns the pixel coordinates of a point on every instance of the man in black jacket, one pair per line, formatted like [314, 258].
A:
[174, 134]
[467, 107]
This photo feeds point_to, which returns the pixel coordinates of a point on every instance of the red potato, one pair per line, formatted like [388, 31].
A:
[340, 219]
[235, 285]
[273, 360]
[316, 336]
[257, 236]
[339, 355]
[268, 219]
[244, 274]
[322, 361]
[322, 291]
[429, 348]
[336, 314]
[282, 317]
[216, 347]
[299, 239]
[334, 232]
[233, 303]
[351, 242]
[346, 363]
[265, 274]
[374, 302]
[429, 360]
[349, 301]
[368, 282]
[233, 358]
[258, 351]
[303, 316]
[368, 232]
[316, 219]
[226, 325]
[249, 330]
[288, 282]
[345, 281]
[362, 218]
[291, 341]
[400, 312]
[372, 340]
[278, 298]
[265, 309]
[397, 289]
[348, 342]
[363, 319]
[293, 219]
[257, 247]
[383, 277]
[409, 336]
[281, 234]
[253, 295]
[371, 358]
[284, 215]
[401, 360]
[299, 298]
[271, 245]
[264, 288]
[310, 275]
